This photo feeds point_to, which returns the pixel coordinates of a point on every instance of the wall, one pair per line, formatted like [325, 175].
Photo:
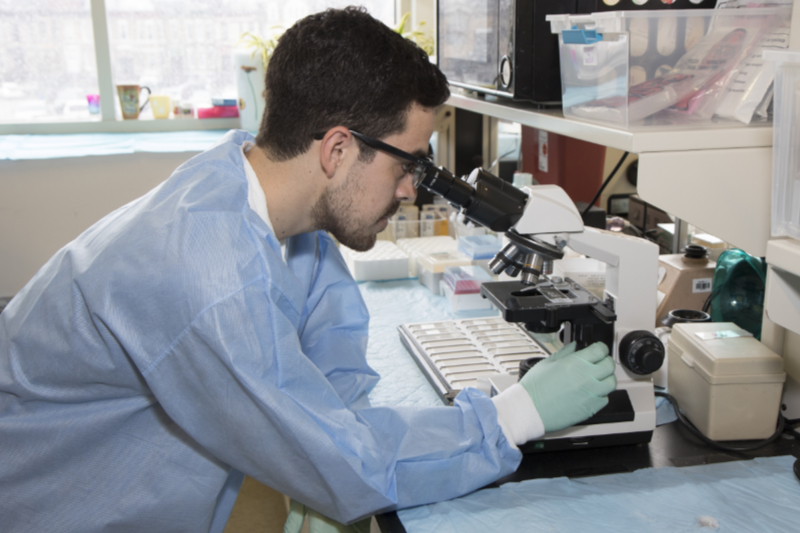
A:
[574, 165]
[45, 203]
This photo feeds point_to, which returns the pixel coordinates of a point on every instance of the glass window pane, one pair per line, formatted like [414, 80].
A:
[184, 48]
[47, 61]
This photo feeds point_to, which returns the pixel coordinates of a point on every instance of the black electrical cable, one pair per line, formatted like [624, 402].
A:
[790, 427]
[605, 183]
[707, 304]
[696, 432]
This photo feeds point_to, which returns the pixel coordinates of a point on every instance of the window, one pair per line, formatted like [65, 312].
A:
[47, 60]
[181, 48]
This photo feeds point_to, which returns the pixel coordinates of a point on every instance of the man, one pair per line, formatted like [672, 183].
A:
[211, 327]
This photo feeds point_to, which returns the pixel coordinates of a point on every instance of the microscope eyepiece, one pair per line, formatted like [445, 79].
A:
[483, 198]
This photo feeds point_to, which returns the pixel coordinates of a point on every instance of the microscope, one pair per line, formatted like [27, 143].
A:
[538, 223]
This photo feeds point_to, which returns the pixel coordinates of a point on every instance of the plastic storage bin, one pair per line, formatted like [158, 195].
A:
[412, 224]
[462, 286]
[632, 68]
[424, 246]
[728, 383]
[430, 267]
[478, 247]
[786, 144]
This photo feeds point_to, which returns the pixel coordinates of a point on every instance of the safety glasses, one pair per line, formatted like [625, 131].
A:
[416, 165]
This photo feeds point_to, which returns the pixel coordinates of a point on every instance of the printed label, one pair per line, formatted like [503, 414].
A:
[543, 151]
[400, 227]
[701, 285]
[724, 334]
[589, 56]
[427, 228]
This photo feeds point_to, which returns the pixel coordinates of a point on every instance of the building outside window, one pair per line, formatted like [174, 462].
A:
[181, 48]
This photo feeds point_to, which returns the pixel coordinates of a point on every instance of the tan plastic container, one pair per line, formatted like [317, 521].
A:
[727, 382]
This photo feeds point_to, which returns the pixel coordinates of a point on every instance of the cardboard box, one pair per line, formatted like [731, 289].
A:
[685, 283]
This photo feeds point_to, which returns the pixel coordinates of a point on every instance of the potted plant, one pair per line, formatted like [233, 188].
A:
[250, 62]
[418, 36]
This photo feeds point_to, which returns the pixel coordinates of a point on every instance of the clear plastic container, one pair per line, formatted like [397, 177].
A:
[661, 67]
[461, 285]
[786, 144]
[413, 224]
[479, 246]
[424, 246]
[431, 267]
[465, 279]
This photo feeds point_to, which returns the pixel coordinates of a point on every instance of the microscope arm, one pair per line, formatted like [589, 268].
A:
[631, 275]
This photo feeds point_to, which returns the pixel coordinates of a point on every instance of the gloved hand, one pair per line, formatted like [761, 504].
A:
[568, 387]
[318, 523]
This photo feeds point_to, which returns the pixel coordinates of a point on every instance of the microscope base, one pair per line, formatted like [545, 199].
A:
[629, 418]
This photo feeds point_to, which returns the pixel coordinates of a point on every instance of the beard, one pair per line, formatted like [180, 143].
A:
[333, 212]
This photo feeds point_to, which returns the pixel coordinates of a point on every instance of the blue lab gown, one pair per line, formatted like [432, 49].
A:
[170, 345]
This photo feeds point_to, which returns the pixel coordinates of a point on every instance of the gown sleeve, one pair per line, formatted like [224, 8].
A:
[277, 390]
[334, 330]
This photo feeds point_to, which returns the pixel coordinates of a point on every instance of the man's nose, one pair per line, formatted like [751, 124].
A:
[406, 192]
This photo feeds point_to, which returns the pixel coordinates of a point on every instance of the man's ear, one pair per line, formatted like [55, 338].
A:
[337, 143]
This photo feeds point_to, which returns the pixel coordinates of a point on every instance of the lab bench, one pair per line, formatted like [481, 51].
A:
[674, 483]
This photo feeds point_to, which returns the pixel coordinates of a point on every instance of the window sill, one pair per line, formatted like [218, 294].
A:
[51, 146]
[119, 126]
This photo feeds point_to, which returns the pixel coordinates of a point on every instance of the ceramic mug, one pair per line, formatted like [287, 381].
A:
[160, 104]
[129, 100]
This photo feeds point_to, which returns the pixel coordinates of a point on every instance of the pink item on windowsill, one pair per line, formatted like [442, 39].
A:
[223, 111]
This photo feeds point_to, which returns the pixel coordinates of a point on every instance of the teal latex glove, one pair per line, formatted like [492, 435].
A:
[568, 387]
[318, 523]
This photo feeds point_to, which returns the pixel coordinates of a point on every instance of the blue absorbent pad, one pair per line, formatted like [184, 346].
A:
[392, 303]
[744, 496]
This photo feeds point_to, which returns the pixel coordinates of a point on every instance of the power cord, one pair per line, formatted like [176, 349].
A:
[784, 425]
[605, 183]
[790, 423]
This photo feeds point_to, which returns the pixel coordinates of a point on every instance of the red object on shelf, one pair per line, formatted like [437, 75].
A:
[221, 111]
[574, 165]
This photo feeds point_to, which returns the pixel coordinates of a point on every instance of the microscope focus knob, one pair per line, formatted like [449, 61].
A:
[641, 352]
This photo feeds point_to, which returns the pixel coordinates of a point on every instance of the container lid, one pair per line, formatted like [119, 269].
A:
[479, 246]
[724, 350]
[616, 21]
[438, 261]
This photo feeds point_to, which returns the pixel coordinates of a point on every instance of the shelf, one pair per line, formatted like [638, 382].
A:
[782, 299]
[784, 253]
[647, 139]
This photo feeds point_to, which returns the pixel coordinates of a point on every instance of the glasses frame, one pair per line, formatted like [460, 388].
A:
[417, 171]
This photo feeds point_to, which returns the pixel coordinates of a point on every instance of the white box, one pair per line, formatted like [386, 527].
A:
[725, 381]
[384, 261]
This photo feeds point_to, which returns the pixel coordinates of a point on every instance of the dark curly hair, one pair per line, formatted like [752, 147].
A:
[342, 67]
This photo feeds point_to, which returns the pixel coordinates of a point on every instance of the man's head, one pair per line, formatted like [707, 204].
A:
[343, 68]
[340, 71]
[362, 195]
